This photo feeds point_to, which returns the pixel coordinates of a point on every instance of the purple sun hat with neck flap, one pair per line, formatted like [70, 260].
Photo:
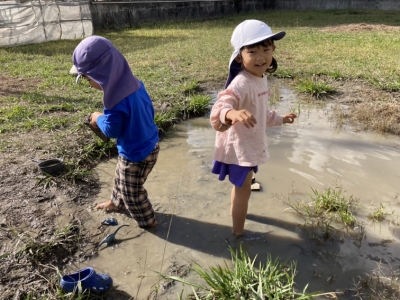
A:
[97, 58]
[248, 33]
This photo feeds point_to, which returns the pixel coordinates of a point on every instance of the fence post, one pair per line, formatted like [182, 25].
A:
[41, 14]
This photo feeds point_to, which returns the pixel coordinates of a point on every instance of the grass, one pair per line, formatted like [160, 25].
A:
[379, 214]
[198, 104]
[333, 201]
[245, 280]
[326, 209]
[178, 62]
[378, 285]
[381, 115]
[316, 88]
[34, 253]
[38, 249]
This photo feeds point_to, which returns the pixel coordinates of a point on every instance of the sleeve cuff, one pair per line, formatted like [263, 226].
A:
[279, 120]
[222, 115]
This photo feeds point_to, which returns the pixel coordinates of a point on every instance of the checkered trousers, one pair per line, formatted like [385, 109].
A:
[129, 193]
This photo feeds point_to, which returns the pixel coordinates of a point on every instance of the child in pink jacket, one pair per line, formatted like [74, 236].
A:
[241, 114]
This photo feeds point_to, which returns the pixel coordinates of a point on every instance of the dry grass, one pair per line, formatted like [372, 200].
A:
[359, 27]
[377, 285]
[382, 115]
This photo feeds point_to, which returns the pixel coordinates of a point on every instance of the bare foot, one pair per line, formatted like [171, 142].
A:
[237, 234]
[107, 206]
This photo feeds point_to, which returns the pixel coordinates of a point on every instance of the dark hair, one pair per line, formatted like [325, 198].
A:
[274, 64]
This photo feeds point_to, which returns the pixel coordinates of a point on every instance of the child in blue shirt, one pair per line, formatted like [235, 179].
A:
[128, 117]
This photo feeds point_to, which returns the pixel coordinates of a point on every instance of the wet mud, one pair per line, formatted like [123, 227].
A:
[192, 208]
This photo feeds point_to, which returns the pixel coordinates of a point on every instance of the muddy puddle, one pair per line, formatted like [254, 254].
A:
[193, 207]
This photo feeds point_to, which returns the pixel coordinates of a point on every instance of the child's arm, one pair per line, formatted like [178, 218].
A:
[224, 115]
[226, 102]
[109, 124]
[273, 119]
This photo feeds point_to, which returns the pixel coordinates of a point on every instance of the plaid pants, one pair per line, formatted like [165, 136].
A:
[128, 192]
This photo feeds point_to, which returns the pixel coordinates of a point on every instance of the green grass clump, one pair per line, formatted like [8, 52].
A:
[325, 208]
[199, 104]
[332, 201]
[379, 214]
[244, 280]
[316, 88]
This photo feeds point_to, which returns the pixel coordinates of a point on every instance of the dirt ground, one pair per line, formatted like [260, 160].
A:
[36, 243]
[360, 27]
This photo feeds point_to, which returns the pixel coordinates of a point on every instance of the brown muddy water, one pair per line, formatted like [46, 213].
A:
[193, 208]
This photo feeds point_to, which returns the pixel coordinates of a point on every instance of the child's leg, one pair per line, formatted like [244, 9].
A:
[134, 195]
[129, 193]
[109, 205]
[239, 202]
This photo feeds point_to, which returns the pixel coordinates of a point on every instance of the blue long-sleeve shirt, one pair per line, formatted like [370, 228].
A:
[131, 122]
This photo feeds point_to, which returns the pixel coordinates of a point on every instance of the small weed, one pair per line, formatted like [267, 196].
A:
[15, 113]
[38, 249]
[57, 107]
[338, 115]
[316, 88]
[326, 208]
[392, 85]
[47, 181]
[164, 119]
[333, 202]
[275, 95]
[199, 104]
[335, 75]
[190, 87]
[379, 214]
[296, 109]
[273, 280]
[283, 73]
[382, 284]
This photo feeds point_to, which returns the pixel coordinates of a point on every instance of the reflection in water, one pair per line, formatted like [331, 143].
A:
[193, 206]
[312, 154]
[305, 175]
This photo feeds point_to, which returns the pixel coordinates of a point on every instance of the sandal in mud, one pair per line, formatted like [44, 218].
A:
[109, 221]
[86, 279]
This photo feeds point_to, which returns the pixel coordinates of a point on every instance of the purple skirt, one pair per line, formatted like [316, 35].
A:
[237, 174]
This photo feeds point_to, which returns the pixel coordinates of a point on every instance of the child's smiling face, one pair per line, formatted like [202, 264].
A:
[256, 59]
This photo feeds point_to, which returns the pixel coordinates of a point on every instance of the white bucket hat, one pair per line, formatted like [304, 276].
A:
[247, 33]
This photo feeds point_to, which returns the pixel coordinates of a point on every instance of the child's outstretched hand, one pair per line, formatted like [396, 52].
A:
[243, 116]
[289, 118]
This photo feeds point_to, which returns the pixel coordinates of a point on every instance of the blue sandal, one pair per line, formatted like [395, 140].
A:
[109, 221]
[88, 279]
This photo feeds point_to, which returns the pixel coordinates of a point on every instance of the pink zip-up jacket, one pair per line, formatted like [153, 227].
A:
[238, 144]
